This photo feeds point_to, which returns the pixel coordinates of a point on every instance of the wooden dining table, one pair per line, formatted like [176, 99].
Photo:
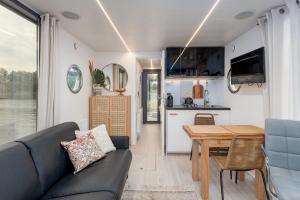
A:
[216, 136]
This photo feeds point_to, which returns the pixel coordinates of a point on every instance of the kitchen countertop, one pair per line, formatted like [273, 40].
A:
[200, 107]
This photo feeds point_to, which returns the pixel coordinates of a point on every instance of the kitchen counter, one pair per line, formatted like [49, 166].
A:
[211, 107]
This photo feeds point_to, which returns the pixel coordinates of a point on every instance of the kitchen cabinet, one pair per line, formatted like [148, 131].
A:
[194, 62]
[113, 111]
[173, 69]
[177, 141]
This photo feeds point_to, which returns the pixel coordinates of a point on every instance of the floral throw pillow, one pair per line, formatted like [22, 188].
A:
[83, 151]
[101, 137]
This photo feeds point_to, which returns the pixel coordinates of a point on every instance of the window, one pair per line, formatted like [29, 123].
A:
[18, 71]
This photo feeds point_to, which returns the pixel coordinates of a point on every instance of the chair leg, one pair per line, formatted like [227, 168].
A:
[236, 177]
[230, 174]
[221, 184]
[191, 153]
[265, 185]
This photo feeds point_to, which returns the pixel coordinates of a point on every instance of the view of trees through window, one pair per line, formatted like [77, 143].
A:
[18, 75]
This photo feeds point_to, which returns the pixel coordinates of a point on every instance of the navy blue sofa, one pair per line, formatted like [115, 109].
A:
[37, 167]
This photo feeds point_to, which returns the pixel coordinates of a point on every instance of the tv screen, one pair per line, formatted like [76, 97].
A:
[248, 68]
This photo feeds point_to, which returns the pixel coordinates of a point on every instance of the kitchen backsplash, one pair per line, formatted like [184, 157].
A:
[180, 89]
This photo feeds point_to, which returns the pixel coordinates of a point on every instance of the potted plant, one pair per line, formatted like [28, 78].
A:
[98, 78]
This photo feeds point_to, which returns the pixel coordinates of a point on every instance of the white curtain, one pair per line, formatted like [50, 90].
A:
[48, 62]
[282, 88]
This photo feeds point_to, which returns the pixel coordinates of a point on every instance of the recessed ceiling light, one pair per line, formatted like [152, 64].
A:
[113, 25]
[244, 15]
[70, 15]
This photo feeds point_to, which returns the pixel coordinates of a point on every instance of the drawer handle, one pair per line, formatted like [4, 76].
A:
[174, 114]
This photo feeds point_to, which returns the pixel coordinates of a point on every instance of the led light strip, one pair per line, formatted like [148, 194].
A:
[6, 32]
[151, 63]
[113, 25]
[197, 30]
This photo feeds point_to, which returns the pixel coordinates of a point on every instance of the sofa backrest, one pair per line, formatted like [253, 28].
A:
[283, 143]
[19, 178]
[50, 159]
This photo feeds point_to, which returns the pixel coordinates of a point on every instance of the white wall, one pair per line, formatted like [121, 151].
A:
[128, 61]
[180, 89]
[139, 108]
[247, 104]
[69, 106]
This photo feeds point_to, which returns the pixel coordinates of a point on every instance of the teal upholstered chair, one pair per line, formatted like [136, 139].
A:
[282, 148]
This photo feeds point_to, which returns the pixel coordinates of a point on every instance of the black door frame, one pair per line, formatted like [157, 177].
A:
[144, 94]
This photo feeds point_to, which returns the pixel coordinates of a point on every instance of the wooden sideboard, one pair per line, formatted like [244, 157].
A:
[113, 111]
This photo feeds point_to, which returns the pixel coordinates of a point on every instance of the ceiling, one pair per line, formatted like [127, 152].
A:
[146, 63]
[151, 25]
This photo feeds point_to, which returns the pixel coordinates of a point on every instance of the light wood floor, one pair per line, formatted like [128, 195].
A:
[150, 171]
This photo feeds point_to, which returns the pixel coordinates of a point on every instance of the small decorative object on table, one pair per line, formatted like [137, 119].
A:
[98, 78]
[120, 91]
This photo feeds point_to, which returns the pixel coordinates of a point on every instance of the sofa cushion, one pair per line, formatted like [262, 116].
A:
[286, 183]
[83, 151]
[19, 179]
[50, 159]
[89, 196]
[101, 137]
[120, 142]
[108, 174]
[282, 143]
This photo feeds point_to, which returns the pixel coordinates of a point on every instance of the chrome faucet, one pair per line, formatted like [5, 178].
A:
[206, 95]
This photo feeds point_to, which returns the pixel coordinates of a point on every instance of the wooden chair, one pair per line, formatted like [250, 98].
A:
[208, 119]
[244, 154]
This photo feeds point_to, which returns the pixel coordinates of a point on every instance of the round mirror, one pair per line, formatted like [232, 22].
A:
[232, 88]
[116, 77]
[74, 78]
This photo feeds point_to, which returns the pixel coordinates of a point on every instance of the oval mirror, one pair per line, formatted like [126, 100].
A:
[74, 78]
[116, 77]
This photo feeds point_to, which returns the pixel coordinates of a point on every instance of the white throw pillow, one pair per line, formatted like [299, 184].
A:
[101, 137]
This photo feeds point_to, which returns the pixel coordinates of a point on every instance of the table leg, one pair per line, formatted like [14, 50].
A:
[241, 176]
[195, 161]
[259, 186]
[205, 170]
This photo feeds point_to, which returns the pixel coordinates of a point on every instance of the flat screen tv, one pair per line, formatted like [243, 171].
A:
[249, 68]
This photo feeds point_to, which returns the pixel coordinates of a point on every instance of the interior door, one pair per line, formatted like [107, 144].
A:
[151, 96]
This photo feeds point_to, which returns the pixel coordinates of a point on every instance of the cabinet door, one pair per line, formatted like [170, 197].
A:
[118, 116]
[177, 140]
[171, 56]
[99, 111]
[189, 62]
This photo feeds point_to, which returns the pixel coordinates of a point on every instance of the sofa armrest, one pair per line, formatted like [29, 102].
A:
[120, 142]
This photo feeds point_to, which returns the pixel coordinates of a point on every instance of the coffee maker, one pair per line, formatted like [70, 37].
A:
[169, 100]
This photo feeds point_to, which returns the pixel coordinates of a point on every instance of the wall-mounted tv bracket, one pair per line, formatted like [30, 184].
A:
[232, 88]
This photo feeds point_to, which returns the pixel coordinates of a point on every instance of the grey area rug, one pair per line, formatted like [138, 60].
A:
[159, 195]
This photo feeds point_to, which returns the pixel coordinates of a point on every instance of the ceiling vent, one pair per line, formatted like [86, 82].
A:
[244, 15]
[70, 15]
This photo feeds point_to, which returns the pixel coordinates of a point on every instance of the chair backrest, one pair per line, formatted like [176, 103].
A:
[204, 119]
[283, 143]
[245, 152]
